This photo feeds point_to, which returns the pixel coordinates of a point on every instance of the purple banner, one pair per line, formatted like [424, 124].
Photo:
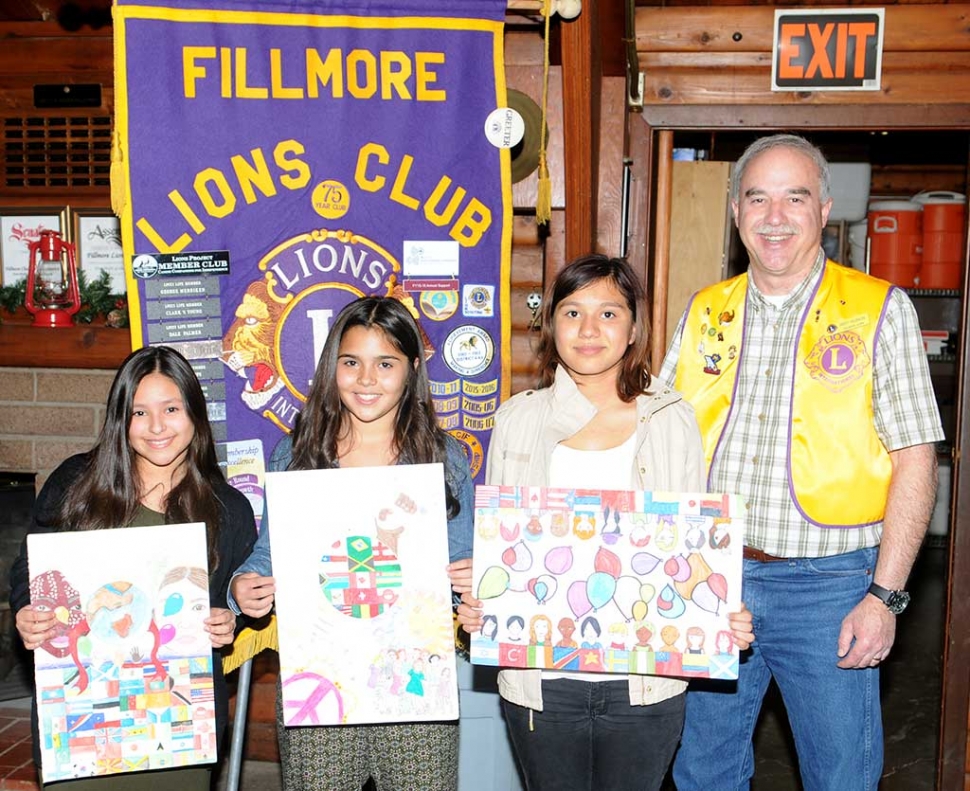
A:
[280, 163]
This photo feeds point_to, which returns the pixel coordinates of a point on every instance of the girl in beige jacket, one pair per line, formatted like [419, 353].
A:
[596, 421]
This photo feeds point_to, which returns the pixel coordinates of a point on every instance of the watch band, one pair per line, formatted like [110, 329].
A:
[880, 592]
[895, 601]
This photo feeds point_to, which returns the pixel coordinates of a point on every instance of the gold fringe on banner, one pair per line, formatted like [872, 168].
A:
[119, 191]
[250, 642]
[119, 188]
[544, 197]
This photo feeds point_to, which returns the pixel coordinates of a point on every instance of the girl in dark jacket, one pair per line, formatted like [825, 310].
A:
[154, 464]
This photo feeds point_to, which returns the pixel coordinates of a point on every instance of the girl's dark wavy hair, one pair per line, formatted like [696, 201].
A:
[417, 437]
[633, 378]
[107, 493]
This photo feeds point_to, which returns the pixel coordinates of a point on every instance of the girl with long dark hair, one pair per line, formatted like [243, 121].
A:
[369, 406]
[154, 464]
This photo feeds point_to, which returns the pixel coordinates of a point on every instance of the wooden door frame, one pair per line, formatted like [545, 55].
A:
[658, 119]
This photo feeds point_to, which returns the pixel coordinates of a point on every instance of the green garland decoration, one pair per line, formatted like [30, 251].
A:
[97, 301]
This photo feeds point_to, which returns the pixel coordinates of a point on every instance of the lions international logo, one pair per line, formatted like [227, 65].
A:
[838, 360]
[282, 320]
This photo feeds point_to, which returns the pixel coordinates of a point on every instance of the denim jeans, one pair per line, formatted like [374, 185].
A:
[798, 606]
[589, 738]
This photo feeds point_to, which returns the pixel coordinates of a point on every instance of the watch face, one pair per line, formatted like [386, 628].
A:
[897, 602]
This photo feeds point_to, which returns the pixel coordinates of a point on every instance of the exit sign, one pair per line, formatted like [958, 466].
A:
[828, 50]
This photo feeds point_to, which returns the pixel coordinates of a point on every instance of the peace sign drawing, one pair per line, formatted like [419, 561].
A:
[312, 699]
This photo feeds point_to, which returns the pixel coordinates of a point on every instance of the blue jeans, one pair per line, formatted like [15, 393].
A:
[798, 606]
[589, 738]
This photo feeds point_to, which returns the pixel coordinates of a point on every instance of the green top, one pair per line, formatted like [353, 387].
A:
[146, 517]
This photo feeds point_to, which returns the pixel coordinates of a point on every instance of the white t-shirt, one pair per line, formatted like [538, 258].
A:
[591, 469]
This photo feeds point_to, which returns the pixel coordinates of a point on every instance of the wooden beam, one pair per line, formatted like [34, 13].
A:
[954, 750]
[856, 116]
[612, 144]
[611, 15]
[77, 57]
[640, 151]
[80, 346]
[744, 78]
[661, 248]
[581, 109]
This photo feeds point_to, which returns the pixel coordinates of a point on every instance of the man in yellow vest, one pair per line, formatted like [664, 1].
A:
[814, 399]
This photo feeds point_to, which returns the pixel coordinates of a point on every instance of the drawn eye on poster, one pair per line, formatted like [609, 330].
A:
[607, 581]
[126, 683]
[363, 601]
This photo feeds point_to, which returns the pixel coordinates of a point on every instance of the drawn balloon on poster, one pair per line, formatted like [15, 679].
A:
[543, 587]
[518, 557]
[494, 583]
[709, 594]
[579, 602]
[559, 560]
[627, 593]
[600, 588]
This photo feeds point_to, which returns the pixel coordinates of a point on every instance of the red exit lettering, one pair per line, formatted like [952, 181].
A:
[805, 50]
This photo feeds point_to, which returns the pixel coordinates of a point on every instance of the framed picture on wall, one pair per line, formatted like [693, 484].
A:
[18, 228]
[96, 233]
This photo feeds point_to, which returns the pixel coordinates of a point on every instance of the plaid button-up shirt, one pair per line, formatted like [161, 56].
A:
[752, 457]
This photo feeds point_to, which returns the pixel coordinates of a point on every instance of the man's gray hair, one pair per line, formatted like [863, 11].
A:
[793, 142]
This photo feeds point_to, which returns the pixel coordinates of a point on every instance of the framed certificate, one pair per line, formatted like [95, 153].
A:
[18, 228]
[96, 234]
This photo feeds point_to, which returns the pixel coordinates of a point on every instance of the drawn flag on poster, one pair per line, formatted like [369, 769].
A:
[126, 683]
[363, 601]
[608, 581]
[278, 160]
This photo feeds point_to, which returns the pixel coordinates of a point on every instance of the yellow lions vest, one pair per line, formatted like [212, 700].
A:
[838, 469]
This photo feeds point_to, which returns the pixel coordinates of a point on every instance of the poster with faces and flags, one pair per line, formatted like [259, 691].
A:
[603, 581]
[125, 683]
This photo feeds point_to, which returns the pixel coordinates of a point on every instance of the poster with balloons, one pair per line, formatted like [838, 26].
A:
[363, 601]
[607, 581]
[125, 684]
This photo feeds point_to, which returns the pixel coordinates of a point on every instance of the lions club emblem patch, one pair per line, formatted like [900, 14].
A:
[838, 360]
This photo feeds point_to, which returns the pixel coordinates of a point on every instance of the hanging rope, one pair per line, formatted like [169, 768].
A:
[544, 196]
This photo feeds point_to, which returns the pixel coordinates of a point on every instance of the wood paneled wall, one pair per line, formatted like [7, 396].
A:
[721, 58]
[42, 53]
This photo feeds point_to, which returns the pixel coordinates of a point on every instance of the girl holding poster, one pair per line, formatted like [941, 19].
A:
[369, 405]
[595, 422]
[154, 464]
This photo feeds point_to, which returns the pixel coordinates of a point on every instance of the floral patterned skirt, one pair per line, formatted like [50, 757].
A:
[413, 756]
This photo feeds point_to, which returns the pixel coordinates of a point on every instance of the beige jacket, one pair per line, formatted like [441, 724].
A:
[669, 457]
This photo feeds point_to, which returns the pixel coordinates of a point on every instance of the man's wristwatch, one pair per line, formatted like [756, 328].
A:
[895, 601]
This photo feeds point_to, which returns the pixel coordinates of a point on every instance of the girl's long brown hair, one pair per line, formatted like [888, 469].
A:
[417, 437]
[107, 492]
